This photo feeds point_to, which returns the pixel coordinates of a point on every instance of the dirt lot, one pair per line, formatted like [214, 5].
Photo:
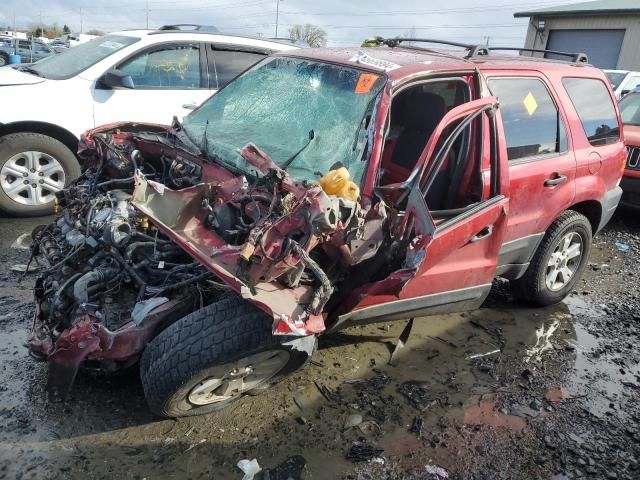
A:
[559, 399]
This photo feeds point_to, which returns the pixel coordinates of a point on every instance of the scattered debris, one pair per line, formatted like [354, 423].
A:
[478, 355]
[402, 340]
[445, 341]
[416, 393]
[352, 420]
[328, 394]
[250, 468]
[23, 242]
[361, 451]
[369, 427]
[191, 447]
[416, 425]
[24, 268]
[290, 469]
[316, 363]
[299, 404]
[436, 472]
[623, 247]
[301, 420]
[524, 411]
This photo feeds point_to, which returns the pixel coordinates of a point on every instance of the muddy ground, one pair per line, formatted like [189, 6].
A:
[559, 399]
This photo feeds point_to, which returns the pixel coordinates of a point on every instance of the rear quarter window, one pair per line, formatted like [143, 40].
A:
[532, 124]
[595, 109]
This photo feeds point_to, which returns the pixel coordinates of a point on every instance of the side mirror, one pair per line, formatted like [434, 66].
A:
[624, 92]
[115, 79]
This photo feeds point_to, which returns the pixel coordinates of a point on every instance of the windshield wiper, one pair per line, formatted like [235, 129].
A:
[184, 138]
[289, 161]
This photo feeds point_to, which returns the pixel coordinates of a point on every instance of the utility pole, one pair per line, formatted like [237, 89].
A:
[487, 40]
[277, 15]
[81, 20]
[147, 10]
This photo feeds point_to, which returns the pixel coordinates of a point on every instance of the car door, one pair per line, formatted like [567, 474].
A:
[453, 255]
[168, 80]
[542, 166]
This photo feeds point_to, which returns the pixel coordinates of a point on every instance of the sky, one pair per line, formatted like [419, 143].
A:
[346, 22]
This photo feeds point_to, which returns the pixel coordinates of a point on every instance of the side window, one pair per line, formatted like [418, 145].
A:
[166, 67]
[532, 123]
[415, 113]
[230, 63]
[24, 44]
[595, 108]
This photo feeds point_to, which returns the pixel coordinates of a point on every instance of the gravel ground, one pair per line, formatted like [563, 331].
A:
[503, 392]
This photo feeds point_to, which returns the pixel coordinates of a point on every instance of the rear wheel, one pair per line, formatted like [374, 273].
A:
[4, 59]
[559, 261]
[33, 167]
[214, 356]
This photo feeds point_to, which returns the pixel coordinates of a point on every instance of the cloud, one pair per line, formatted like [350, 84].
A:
[346, 23]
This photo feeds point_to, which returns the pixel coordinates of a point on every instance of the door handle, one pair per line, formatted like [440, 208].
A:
[484, 233]
[190, 105]
[557, 180]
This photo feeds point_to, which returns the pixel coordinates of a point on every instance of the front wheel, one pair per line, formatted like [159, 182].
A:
[214, 356]
[33, 167]
[559, 261]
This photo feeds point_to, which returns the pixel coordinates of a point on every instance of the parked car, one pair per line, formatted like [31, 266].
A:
[29, 50]
[623, 81]
[630, 110]
[321, 189]
[138, 75]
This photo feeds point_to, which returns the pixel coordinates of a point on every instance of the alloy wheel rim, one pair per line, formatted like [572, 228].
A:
[564, 261]
[235, 378]
[32, 178]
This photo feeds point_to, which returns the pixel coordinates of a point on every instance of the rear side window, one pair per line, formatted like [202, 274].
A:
[230, 63]
[595, 108]
[532, 123]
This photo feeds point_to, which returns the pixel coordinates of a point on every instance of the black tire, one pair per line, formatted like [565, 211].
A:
[4, 59]
[16, 143]
[183, 355]
[532, 287]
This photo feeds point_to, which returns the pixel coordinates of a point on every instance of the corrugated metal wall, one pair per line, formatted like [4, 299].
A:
[630, 53]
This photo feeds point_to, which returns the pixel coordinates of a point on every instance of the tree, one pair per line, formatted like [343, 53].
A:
[66, 29]
[95, 32]
[313, 35]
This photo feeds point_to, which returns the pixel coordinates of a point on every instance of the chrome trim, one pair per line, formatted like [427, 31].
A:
[633, 157]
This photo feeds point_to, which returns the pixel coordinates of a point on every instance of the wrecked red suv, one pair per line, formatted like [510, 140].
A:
[321, 189]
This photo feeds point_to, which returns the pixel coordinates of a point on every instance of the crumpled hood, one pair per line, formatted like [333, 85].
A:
[11, 76]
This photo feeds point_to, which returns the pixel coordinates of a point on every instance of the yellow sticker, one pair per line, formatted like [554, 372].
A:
[530, 103]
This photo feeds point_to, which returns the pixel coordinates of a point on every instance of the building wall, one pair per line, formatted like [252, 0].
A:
[630, 52]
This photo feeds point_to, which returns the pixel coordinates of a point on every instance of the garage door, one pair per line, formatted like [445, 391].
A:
[602, 46]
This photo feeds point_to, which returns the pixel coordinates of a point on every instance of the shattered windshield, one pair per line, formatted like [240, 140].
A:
[306, 115]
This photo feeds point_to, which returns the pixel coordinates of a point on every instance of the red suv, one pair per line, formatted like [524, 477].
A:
[630, 110]
[321, 189]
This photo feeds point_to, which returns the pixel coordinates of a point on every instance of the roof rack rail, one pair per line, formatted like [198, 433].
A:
[188, 27]
[575, 57]
[474, 50]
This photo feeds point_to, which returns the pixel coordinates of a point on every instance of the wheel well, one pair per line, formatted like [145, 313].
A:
[590, 209]
[53, 131]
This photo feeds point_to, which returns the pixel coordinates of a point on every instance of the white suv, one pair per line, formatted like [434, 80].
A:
[137, 75]
[623, 81]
